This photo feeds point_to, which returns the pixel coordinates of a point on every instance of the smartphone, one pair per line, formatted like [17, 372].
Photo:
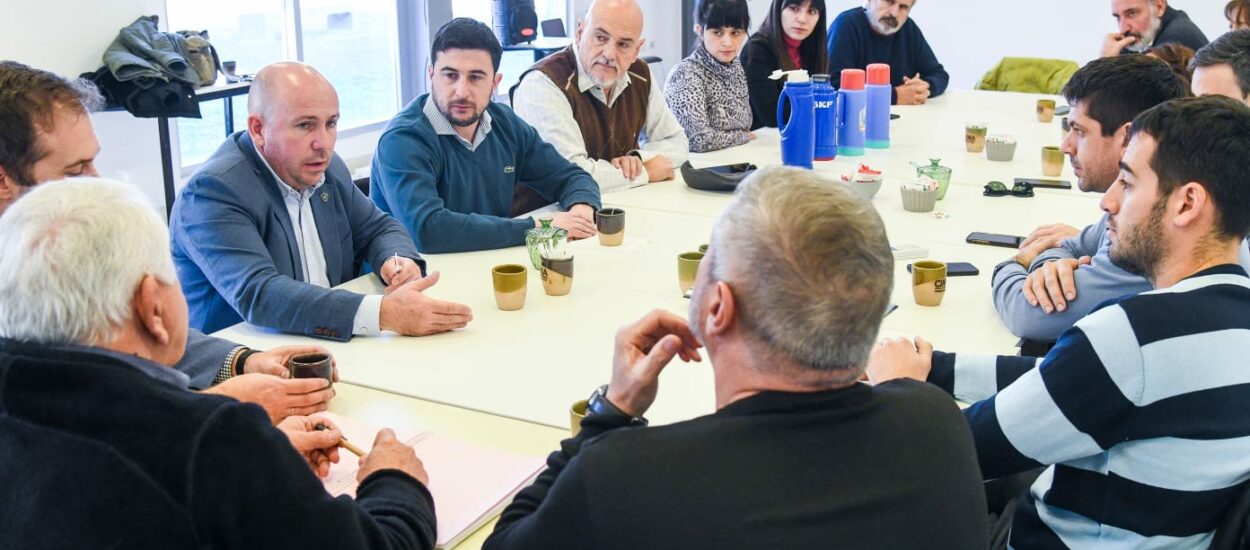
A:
[732, 169]
[957, 269]
[1048, 184]
[1063, 110]
[994, 239]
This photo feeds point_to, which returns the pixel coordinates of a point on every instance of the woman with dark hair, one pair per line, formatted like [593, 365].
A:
[707, 91]
[792, 37]
[1178, 58]
[1238, 14]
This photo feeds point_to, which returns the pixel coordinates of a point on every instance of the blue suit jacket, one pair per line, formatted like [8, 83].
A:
[235, 250]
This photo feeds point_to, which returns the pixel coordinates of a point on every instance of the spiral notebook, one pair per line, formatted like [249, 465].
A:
[471, 484]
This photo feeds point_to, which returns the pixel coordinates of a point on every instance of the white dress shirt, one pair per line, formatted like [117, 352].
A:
[542, 104]
[299, 206]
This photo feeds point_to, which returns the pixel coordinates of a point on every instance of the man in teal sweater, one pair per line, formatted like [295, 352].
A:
[449, 165]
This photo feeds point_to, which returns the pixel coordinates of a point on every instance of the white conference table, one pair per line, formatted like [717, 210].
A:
[533, 363]
[405, 414]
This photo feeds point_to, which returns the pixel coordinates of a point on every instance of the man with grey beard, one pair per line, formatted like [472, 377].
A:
[1144, 24]
[600, 106]
[883, 32]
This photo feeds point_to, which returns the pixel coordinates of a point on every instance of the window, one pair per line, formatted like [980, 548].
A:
[352, 42]
[514, 62]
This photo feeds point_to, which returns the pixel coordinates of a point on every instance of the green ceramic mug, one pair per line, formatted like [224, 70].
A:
[576, 413]
[688, 270]
[510, 282]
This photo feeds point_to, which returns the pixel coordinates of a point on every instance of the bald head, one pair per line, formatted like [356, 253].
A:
[609, 39]
[280, 83]
[293, 116]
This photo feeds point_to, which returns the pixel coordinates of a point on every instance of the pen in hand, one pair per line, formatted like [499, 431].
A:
[343, 442]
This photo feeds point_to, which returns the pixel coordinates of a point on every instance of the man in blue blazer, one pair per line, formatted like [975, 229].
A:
[272, 220]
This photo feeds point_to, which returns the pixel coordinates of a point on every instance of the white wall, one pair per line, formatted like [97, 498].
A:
[971, 36]
[68, 37]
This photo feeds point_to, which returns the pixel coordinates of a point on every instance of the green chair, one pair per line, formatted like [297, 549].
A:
[1028, 74]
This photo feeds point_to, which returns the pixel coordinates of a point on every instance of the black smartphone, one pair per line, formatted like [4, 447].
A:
[1047, 184]
[957, 269]
[731, 169]
[994, 239]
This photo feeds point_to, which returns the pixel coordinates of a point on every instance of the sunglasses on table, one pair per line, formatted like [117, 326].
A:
[999, 189]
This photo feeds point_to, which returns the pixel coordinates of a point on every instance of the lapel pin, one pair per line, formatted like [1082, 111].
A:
[325, 197]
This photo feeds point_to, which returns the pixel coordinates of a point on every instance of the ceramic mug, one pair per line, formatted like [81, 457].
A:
[312, 365]
[510, 282]
[688, 270]
[611, 225]
[928, 282]
[1052, 161]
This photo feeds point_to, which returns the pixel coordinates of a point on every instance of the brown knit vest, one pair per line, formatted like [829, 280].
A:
[609, 132]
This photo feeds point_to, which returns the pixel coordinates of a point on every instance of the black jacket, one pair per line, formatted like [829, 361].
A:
[95, 453]
[758, 62]
[890, 466]
[1178, 28]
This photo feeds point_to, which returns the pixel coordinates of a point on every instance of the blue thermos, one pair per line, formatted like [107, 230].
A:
[798, 135]
[851, 117]
[825, 101]
[877, 129]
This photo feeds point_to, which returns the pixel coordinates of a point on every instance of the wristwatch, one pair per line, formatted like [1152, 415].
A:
[599, 405]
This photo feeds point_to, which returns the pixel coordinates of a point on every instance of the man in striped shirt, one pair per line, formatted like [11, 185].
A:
[1139, 410]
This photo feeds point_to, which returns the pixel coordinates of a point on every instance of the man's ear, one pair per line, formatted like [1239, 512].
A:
[9, 189]
[1190, 204]
[256, 128]
[1123, 133]
[150, 312]
[722, 310]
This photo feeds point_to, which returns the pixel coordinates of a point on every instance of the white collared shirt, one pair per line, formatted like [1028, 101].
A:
[542, 104]
[443, 127]
[367, 321]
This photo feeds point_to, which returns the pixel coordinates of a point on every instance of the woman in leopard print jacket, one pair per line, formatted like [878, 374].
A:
[707, 91]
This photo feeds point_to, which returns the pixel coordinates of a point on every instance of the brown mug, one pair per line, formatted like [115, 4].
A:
[312, 365]
[1045, 110]
[557, 276]
[610, 223]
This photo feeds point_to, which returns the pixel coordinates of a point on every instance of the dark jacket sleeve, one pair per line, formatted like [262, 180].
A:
[553, 512]
[845, 47]
[247, 488]
[759, 62]
[927, 65]
[220, 235]
[406, 169]
[203, 358]
[543, 169]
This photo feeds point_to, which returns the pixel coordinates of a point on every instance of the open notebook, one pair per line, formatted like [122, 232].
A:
[471, 484]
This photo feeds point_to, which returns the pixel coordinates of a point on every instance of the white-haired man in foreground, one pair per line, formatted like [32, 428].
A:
[101, 443]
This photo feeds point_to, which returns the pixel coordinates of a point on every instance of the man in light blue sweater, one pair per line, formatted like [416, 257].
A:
[1060, 273]
[450, 164]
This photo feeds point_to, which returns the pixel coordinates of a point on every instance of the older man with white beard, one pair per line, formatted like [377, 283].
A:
[1144, 24]
[600, 106]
